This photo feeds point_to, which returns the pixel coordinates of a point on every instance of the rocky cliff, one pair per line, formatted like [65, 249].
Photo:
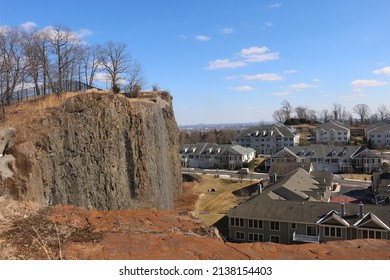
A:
[100, 151]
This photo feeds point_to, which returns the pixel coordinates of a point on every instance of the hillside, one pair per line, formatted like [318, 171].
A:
[95, 150]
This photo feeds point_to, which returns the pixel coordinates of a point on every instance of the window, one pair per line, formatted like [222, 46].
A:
[274, 238]
[332, 232]
[373, 234]
[240, 235]
[311, 230]
[237, 222]
[255, 224]
[255, 237]
[274, 225]
[293, 226]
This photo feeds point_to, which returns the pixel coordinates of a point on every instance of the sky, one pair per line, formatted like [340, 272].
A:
[227, 61]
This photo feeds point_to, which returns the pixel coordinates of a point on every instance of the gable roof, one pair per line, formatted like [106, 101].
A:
[284, 168]
[297, 185]
[262, 207]
[335, 216]
[372, 221]
[378, 128]
[332, 125]
[212, 148]
[269, 131]
[320, 151]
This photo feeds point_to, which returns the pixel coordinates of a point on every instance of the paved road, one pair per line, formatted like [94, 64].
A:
[231, 174]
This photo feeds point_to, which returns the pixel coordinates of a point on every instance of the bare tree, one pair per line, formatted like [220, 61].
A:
[12, 62]
[64, 43]
[286, 108]
[34, 62]
[116, 62]
[301, 112]
[91, 63]
[383, 112]
[135, 78]
[312, 115]
[362, 110]
[339, 112]
[279, 116]
[325, 115]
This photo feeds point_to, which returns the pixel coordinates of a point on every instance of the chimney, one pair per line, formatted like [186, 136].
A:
[342, 209]
[361, 210]
[261, 186]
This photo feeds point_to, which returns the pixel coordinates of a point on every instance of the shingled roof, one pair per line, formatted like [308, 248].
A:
[335, 125]
[272, 131]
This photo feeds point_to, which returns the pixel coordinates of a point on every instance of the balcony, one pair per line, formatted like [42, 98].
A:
[306, 238]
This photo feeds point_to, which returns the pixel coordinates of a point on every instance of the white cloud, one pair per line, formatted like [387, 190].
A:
[243, 58]
[301, 86]
[225, 63]
[263, 77]
[268, 24]
[202, 38]
[368, 83]
[276, 5]
[227, 30]
[290, 71]
[382, 71]
[242, 88]
[258, 54]
[281, 93]
[353, 97]
[28, 26]
[84, 32]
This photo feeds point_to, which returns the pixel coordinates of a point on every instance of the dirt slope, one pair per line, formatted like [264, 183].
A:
[28, 231]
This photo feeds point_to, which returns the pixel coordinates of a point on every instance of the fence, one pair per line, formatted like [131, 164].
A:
[32, 92]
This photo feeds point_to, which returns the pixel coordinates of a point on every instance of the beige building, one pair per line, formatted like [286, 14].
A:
[333, 133]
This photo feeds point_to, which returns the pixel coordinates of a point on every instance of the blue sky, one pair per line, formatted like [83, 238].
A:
[236, 61]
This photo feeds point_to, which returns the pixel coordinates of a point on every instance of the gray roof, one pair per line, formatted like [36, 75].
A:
[262, 207]
[378, 128]
[324, 151]
[335, 125]
[274, 130]
[283, 168]
[297, 185]
[212, 149]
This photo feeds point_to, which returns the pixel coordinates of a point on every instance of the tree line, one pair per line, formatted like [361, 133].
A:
[363, 113]
[49, 58]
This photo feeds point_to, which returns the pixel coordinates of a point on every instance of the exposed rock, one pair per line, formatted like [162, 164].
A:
[6, 142]
[101, 151]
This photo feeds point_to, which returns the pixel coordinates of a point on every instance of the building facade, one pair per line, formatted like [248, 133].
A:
[378, 136]
[268, 139]
[333, 133]
[335, 159]
[262, 219]
[210, 155]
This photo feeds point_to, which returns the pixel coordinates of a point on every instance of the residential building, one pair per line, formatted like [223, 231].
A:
[332, 132]
[381, 187]
[287, 212]
[281, 169]
[378, 136]
[268, 139]
[210, 155]
[335, 159]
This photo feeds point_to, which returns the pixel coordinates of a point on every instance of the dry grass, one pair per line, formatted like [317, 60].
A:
[366, 177]
[211, 206]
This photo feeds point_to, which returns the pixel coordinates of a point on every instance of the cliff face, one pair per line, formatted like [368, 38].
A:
[103, 151]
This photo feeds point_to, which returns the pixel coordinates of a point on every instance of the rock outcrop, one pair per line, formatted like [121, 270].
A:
[101, 151]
